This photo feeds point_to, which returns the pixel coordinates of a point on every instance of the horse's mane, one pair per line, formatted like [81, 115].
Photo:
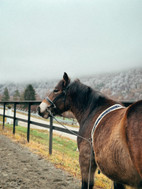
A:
[84, 96]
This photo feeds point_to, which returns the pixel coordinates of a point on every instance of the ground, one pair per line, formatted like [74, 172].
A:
[21, 169]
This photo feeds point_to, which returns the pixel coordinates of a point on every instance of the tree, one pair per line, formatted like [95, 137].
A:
[16, 95]
[22, 96]
[29, 93]
[5, 96]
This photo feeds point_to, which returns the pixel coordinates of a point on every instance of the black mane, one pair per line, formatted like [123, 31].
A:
[84, 96]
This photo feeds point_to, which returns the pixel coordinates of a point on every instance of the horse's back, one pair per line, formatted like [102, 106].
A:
[134, 134]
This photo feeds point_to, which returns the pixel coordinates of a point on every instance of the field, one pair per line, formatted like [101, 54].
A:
[64, 153]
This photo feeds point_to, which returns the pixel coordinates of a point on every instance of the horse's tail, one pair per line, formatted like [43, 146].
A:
[134, 134]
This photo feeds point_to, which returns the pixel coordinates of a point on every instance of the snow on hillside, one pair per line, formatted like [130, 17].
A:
[125, 85]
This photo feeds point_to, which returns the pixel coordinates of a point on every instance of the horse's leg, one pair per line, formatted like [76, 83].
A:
[118, 186]
[85, 176]
[84, 160]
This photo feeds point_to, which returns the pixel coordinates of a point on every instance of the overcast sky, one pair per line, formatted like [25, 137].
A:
[40, 39]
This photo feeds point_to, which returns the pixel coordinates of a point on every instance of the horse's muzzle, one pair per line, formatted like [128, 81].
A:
[42, 114]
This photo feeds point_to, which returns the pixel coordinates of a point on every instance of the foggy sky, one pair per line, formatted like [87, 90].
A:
[40, 39]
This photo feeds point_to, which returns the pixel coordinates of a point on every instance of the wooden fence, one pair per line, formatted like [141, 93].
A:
[28, 104]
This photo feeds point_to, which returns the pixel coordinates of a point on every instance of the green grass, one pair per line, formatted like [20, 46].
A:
[60, 144]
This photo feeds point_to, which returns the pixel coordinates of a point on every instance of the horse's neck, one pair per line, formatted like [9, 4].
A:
[79, 115]
[98, 104]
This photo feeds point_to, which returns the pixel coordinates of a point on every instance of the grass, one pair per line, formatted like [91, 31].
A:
[64, 153]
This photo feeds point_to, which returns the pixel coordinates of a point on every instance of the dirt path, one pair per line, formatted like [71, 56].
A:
[21, 169]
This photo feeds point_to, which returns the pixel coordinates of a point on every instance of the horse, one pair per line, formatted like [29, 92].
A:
[110, 135]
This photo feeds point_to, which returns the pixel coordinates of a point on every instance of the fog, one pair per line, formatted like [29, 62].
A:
[40, 39]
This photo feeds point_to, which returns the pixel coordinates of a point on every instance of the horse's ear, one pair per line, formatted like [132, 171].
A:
[66, 79]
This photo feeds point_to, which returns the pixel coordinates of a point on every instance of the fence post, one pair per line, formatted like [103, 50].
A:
[28, 128]
[50, 135]
[14, 118]
[4, 114]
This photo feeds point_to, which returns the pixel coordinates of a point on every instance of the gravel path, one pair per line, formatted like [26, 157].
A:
[21, 169]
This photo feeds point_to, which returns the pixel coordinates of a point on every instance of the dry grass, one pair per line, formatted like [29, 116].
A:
[64, 154]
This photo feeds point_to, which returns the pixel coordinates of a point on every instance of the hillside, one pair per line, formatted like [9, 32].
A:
[126, 85]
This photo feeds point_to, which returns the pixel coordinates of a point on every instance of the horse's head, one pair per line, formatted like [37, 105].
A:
[57, 101]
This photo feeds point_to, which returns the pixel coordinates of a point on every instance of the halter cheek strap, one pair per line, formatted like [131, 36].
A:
[50, 101]
[104, 113]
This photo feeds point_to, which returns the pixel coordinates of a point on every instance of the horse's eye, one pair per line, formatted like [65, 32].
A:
[56, 91]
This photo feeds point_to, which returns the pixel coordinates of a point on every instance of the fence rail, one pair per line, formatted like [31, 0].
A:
[51, 127]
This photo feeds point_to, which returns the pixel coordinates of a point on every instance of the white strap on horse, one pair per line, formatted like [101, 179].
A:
[104, 113]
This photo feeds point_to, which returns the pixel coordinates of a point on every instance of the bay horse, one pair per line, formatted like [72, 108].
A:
[114, 132]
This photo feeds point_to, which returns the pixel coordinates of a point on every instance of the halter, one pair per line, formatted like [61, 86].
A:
[52, 103]
[104, 113]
